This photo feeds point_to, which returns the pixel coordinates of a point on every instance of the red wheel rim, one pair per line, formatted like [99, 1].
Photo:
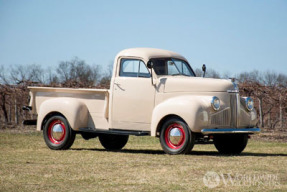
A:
[56, 131]
[174, 136]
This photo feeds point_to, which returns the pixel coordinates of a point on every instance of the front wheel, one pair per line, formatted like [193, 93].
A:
[57, 133]
[113, 142]
[231, 143]
[176, 137]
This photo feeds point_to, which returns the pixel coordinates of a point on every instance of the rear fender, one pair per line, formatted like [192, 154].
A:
[73, 110]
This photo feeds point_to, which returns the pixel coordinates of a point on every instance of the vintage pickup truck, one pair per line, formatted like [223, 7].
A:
[152, 92]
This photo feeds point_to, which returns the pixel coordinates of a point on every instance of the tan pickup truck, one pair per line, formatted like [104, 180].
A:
[153, 92]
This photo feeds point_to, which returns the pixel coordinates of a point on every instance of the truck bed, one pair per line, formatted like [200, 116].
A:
[96, 100]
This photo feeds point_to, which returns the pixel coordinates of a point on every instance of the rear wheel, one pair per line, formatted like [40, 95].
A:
[57, 133]
[113, 142]
[176, 137]
[231, 143]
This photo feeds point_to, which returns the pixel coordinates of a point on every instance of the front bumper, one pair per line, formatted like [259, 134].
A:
[231, 131]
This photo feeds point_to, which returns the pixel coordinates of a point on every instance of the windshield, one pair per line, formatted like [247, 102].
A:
[171, 66]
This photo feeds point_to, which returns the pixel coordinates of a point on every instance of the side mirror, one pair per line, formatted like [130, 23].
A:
[204, 70]
[149, 64]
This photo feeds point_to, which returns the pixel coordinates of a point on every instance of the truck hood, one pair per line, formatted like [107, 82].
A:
[195, 84]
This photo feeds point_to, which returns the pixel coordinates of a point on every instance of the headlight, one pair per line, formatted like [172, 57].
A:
[249, 104]
[215, 103]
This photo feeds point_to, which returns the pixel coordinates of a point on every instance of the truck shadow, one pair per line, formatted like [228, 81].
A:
[215, 153]
[193, 153]
[204, 153]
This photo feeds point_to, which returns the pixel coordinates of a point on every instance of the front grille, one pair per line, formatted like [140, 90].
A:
[227, 117]
[221, 118]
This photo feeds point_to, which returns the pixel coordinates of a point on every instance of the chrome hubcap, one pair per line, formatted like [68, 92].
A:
[175, 136]
[57, 132]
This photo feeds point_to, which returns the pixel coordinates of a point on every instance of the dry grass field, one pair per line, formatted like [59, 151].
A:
[26, 164]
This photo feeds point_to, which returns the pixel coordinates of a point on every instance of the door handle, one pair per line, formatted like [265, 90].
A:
[119, 86]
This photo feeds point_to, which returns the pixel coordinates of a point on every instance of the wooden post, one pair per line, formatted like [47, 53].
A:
[269, 119]
[260, 112]
[10, 113]
[281, 112]
[16, 111]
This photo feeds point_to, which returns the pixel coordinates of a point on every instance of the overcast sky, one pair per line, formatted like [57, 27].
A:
[228, 36]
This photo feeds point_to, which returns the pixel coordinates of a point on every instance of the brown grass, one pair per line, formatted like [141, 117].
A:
[26, 164]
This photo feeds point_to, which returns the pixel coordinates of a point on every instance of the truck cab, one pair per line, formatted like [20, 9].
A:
[153, 92]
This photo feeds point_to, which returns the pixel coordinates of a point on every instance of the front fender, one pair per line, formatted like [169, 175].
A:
[192, 109]
[74, 111]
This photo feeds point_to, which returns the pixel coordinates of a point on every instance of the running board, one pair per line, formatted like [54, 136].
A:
[114, 131]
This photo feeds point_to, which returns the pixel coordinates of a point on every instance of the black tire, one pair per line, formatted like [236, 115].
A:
[113, 142]
[58, 134]
[231, 143]
[182, 142]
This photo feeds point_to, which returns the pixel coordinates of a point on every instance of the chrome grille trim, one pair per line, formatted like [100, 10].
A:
[238, 109]
[221, 118]
[235, 110]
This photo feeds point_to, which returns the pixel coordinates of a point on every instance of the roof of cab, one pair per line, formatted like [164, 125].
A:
[148, 53]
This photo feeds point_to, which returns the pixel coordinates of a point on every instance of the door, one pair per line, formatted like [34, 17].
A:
[133, 96]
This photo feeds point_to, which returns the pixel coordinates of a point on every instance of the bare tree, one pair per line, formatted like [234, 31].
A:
[77, 73]
[4, 92]
[3, 75]
[26, 74]
[270, 90]
[106, 79]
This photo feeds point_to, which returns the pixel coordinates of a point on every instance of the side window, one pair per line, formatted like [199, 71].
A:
[143, 71]
[185, 70]
[129, 68]
[178, 67]
[133, 68]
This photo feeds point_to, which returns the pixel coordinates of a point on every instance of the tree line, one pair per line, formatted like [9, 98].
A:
[268, 89]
